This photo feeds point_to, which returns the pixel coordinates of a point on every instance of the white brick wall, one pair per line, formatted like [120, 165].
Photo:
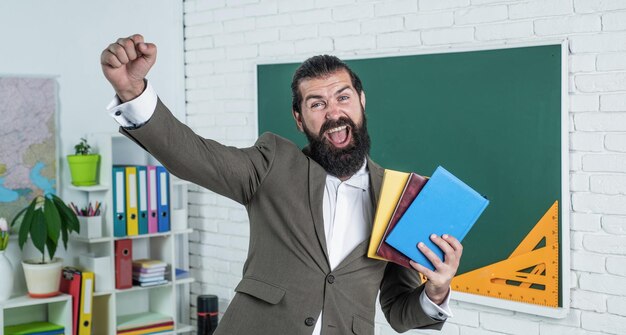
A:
[225, 38]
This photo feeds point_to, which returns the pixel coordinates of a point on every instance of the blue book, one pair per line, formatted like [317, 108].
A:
[445, 205]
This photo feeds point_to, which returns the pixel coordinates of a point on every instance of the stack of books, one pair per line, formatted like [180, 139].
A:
[35, 328]
[411, 208]
[144, 323]
[149, 272]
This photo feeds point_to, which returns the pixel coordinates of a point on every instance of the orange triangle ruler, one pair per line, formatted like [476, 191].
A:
[530, 274]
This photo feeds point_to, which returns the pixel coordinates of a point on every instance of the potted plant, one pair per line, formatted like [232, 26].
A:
[45, 219]
[83, 165]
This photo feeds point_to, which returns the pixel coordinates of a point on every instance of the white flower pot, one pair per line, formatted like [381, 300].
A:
[6, 284]
[43, 280]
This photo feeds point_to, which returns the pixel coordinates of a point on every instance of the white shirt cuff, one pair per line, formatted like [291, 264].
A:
[136, 112]
[437, 312]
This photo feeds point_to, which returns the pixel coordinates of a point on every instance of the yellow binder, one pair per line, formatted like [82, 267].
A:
[86, 303]
[132, 213]
[390, 193]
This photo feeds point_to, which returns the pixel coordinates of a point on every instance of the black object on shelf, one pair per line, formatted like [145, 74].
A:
[207, 314]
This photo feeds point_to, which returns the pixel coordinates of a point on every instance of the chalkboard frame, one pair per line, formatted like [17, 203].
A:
[564, 201]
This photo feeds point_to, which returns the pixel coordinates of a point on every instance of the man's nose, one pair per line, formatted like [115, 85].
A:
[334, 111]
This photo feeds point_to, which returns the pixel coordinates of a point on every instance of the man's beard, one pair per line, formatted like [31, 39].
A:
[343, 162]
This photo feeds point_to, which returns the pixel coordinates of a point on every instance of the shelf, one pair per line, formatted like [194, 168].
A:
[107, 239]
[184, 328]
[185, 281]
[101, 293]
[132, 237]
[89, 240]
[139, 288]
[182, 231]
[26, 300]
[94, 188]
[171, 298]
[165, 233]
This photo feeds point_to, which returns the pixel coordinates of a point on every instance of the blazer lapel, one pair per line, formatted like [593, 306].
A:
[376, 179]
[317, 182]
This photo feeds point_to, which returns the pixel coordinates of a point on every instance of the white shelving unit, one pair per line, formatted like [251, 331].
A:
[172, 298]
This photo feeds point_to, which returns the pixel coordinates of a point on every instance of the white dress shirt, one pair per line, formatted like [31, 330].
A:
[347, 206]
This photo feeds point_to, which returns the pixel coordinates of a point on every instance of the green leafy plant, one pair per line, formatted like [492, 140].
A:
[46, 219]
[82, 148]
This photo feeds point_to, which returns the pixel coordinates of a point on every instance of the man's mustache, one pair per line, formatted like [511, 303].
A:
[330, 124]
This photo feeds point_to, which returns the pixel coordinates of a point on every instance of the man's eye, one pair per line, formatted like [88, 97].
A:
[317, 105]
[344, 98]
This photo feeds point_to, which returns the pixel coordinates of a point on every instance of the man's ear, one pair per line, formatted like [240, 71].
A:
[298, 117]
[363, 99]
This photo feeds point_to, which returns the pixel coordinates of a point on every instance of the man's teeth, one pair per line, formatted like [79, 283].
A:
[337, 129]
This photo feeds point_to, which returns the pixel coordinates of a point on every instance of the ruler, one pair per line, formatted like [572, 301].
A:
[530, 274]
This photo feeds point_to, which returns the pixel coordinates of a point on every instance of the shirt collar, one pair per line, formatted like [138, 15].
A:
[360, 179]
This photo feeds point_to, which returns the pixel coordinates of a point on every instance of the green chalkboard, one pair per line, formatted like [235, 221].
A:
[492, 118]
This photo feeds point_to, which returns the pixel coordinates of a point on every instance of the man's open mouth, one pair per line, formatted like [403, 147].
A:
[339, 136]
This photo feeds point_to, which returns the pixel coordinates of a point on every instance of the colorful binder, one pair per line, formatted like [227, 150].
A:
[71, 284]
[142, 193]
[86, 303]
[445, 205]
[149, 330]
[163, 197]
[142, 320]
[123, 264]
[393, 184]
[119, 201]
[36, 328]
[132, 222]
[153, 216]
[410, 192]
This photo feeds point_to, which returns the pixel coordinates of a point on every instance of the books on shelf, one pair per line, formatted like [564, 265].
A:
[80, 285]
[181, 274]
[35, 328]
[145, 263]
[141, 200]
[144, 323]
[440, 205]
[111, 255]
[149, 272]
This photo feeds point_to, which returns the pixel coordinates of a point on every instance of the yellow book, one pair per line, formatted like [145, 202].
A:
[132, 212]
[391, 190]
[86, 303]
[148, 330]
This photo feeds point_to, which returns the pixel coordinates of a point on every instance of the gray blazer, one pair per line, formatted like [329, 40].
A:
[286, 277]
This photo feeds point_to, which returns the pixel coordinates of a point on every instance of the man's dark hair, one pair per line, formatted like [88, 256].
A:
[318, 67]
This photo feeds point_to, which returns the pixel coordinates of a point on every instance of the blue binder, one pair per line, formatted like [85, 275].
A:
[119, 201]
[445, 205]
[163, 198]
[142, 197]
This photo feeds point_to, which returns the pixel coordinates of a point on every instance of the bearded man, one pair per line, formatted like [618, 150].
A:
[310, 210]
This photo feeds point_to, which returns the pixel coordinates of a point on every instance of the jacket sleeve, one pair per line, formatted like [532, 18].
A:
[229, 171]
[400, 290]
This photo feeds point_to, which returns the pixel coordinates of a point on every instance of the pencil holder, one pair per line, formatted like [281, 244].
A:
[90, 226]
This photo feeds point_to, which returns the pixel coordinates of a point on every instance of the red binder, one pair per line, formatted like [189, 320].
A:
[123, 264]
[70, 284]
